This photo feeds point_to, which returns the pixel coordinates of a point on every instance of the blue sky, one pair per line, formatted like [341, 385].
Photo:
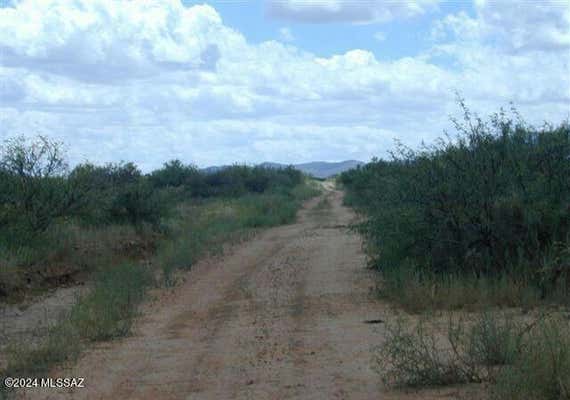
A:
[401, 38]
[275, 80]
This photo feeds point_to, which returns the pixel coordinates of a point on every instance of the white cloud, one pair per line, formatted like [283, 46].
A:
[105, 40]
[516, 27]
[368, 11]
[516, 52]
[542, 25]
[149, 81]
[286, 35]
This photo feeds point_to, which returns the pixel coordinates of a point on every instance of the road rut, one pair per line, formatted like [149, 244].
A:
[281, 317]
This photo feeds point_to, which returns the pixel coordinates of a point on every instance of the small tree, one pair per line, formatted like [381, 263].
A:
[116, 193]
[29, 159]
[34, 186]
[175, 174]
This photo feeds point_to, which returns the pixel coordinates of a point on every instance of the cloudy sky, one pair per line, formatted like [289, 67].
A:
[278, 80]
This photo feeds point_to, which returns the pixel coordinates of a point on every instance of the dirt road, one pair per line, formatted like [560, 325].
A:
[281, 317]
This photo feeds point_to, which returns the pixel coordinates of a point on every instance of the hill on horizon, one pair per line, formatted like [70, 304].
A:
[318, 169]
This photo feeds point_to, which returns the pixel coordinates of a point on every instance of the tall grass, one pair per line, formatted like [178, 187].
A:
[541, 370]
[418, 291]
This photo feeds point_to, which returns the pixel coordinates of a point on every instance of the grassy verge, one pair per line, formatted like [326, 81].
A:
[105, 312]
[65, 251]
[419, 292]
[195, 230]
[205, 228]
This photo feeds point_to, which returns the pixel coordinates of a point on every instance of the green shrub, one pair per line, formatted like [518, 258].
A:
[108, 310]
[43, 206]
[34, 191]
[102, 232]
[306, 190]
[136, 204]
[174, 174]
[491, 201]
[117, 193]
[269, 210]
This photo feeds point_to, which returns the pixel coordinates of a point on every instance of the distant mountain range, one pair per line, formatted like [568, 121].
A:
[318, 169]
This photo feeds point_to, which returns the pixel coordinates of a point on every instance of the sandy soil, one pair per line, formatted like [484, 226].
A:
[282, 317]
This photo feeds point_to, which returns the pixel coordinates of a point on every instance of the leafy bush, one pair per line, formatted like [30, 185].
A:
[493, 200]
[239, 179]
[116, 193]
[34, 190]
[136, 204]
[183, 180]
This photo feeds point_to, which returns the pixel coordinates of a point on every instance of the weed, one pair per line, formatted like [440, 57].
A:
[415, 357]
[541, 370]
[519, 360]
[60, 343]
[108, 310]
[494, 340]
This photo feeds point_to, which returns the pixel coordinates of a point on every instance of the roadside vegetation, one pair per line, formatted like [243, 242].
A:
[74, 220]
[475, 223]
[120, 230]
[518, 359]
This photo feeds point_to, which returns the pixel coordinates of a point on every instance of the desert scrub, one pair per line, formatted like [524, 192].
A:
[463, 349]
[418, 355]
[45, 205]
[110, 241]
[412, 358]
[489, 201]
[541, 370]
[519, 358]
[493, 339]
[106, 312]
[109, 309]
[308, 189]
